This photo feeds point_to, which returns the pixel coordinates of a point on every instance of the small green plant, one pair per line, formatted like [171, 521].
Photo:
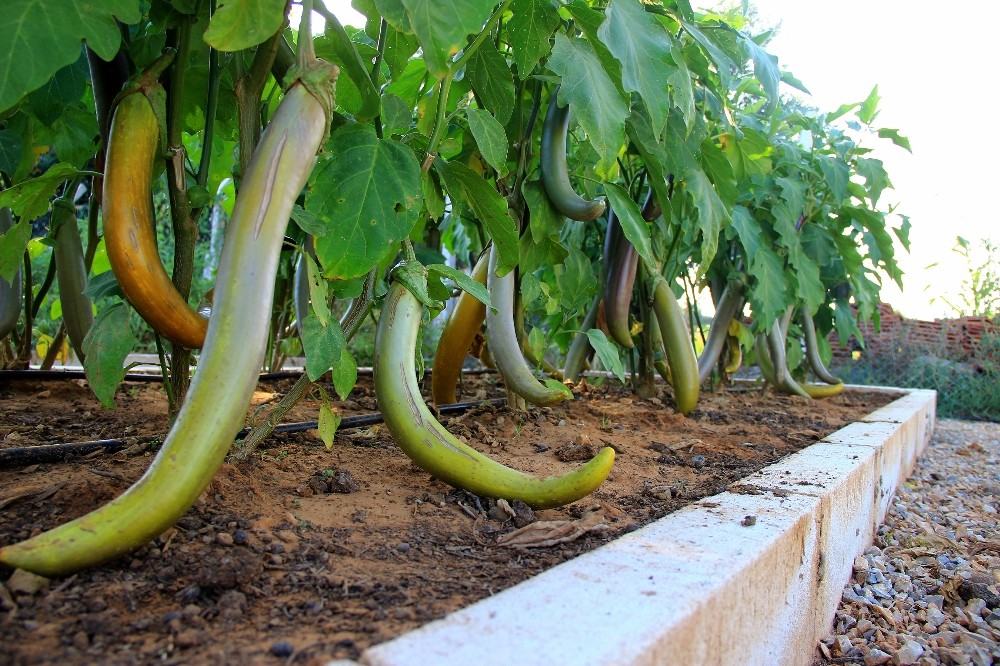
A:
[980, 291]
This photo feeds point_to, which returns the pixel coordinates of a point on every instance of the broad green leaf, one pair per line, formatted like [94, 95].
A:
[629, 216]
[790, 79]
[805, 276]
[586, 86]
[769, 296]
[488, 206]
[368, 194]
[836, 173]
[846, 323]
[897, 138]
[536, 343]
[342, 51]
[103, 285]
[544, 221]
[641, 136]
[327, 424]
[491, 78]
[63, 89]
[589, 21]
[323, 345]
[793, 194]
[345, 374]
[642, 46]
[712, 215]
[577, 281]
[241, 24]
[42, 36]
[29, 199]
[319, 291]
[818, 245]
[396, 114]
[530, 29]
[868, 110]
[682, 146]
[884, 252]
[765, 70]
[12, 244]
[11, 146]
[720, 170]
[464, 281]
[399, 46]
[394, 12]
[608, 352]
[490, 137]
[748, 230]
[902, 232]
[556, 385]
[73, 135]
[307, 222]
[724, 64]
[108, 342]
[533, 254]
[682, 86]
[876, 178]
[443, 26]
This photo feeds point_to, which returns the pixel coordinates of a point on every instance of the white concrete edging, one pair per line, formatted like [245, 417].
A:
[699, 586]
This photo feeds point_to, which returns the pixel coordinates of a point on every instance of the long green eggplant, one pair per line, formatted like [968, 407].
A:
[300, 285]
[71, 273]
[730, 303]
[503, 342]
[464, 322]
[576, 357]
[10, 292]
[782, 377]
[129, 228]
[228, 368]
[681, 359]
[812, 351]
[620, 264]
[555, 172]
[437, 451]
[769, 370]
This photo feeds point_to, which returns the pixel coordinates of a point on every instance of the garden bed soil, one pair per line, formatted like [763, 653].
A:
[301, 554]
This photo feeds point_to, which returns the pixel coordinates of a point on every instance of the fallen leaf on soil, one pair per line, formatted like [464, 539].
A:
[547, 533]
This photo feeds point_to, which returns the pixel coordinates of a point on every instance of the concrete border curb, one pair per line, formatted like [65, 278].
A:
[702, 585]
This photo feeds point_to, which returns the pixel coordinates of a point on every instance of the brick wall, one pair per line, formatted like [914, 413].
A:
[954, 338]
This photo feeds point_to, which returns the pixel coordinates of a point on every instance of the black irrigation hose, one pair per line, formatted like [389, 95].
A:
[43, 375]
[53, 453]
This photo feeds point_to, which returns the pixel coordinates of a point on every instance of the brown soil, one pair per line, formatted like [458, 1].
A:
[272, 567]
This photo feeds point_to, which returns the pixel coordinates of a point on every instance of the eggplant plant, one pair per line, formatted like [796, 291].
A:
[515, 136]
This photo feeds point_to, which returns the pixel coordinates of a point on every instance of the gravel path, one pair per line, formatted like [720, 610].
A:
[928, 590]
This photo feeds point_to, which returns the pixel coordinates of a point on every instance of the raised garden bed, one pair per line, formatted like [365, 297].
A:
[271, 565]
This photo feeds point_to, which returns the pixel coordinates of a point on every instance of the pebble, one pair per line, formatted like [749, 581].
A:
[876, 658]
[908, 654]
[281, 649]
[403, 547]
[224, 538]
[925, 592]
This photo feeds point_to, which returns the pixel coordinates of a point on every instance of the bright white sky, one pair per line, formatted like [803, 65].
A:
[935, 75]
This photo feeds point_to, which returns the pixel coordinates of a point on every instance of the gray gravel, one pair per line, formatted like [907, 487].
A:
[928, 590]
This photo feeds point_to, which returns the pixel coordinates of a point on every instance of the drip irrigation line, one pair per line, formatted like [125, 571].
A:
[53, 453]
[43, 375]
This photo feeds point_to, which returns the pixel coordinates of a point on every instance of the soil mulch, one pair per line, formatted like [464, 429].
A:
[300, 554]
